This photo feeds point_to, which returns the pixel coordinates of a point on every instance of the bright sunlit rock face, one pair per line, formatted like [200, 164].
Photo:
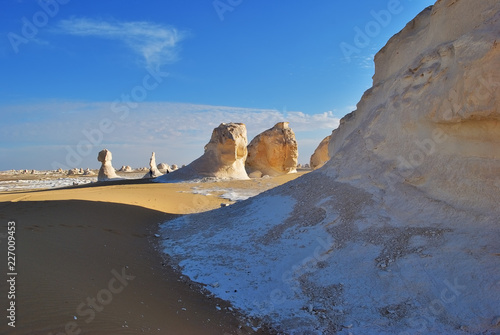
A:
[273, 152]
[224, 156]
[398, 231]
[320, 155]
[431, 120]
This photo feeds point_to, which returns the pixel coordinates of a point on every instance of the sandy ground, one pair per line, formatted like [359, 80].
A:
[82, 243]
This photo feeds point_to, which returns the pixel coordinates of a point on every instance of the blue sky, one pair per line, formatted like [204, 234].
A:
[140, 76]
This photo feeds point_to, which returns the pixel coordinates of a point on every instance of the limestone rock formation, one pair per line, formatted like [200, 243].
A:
[88, 172]
[106, 172]
[164, 168]
[153, 169]
[175, 167]
[398, 232]
[125, 168]
[320, 155]
[224, 156]
[273, 152]
[73, 172]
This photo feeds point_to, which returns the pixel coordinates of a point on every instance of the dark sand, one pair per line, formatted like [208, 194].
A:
[69, 251]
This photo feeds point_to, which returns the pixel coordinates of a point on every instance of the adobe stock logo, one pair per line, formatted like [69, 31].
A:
[223, 6]
[372, 29]
[30, 28]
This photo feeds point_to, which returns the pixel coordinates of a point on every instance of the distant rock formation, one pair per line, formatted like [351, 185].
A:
[164, 168]
[320, 155]
[153, 169]
[224, 156]
[73, 172]
[273, 152]
[125, 168]
[106, 172]
[88, 172]
[175, 167]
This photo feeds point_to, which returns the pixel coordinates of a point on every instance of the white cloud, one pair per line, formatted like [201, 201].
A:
[156, 43]
[176, 131]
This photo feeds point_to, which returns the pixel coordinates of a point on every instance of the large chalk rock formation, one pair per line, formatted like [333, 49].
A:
[273, 152]
[320, 155]
[107, 171]
[398, 232]
[224, 156]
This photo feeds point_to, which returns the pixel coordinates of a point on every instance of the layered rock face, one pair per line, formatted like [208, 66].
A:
[431, 120]
[398, 232]
[320, 155]
[106, 172]
[273, 152]
[224, 156]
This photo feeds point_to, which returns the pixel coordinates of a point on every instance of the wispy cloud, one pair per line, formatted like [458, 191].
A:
[156, 43]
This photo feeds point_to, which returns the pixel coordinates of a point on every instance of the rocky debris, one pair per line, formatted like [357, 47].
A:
[273, 152]
[320, 155]
[106, 172]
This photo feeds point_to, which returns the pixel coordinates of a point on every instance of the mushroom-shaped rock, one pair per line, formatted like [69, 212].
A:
[224, 156]
[273, 152]
[320, 155]
[106, 172]
[153, 169]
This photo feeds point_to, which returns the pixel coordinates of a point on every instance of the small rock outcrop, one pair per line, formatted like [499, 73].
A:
[88, 172]
[153, 169]
[125, 168]
[320, 155]
[106, 172]
[224, 156]
[73, 172]
[164, 168]
[273, 152]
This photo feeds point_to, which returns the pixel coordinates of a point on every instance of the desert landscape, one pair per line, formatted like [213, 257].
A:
[392, 226]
